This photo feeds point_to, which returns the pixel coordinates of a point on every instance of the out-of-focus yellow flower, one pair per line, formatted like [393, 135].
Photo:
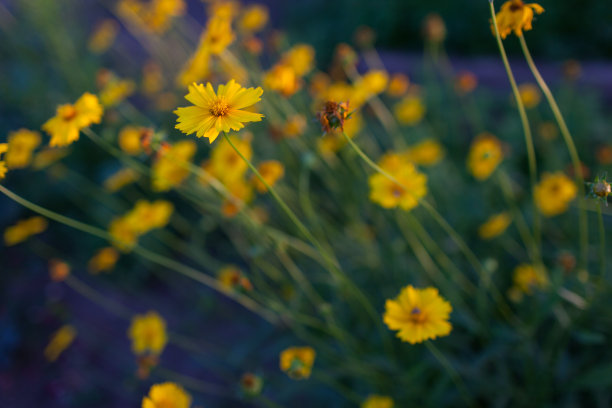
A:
[301, 58]
[144, 217]
[152, 15]
[120, 179]
[24, 229]
[333, 141]
[295, 126]
[297, 362]
[170, 169]
[47, 157]
[516, 16]
[554, 193]
[282, 79]
[495, 225]
[225, 164]
[527, 279]
[398, 85]
[60, 341]
[21, 144]
[227, 9]
[271, 171]
[64, 127]
[373, 82]
[319, 83]
[167, 395]
[389, 194]
[196, 69]
[410, 110]
[466, 82]
[530, 95]
[104, 259]
[418, 315]
[148, 333]
[152, 78]
[131, 138]
[254, 18]
[425, 153]
[3, 169]
[103, 36]
[218, 35]
[485, 155]
[116, 90]
[241, 193]
[378, 401]
[213, 113]
[232, 278]
[58, 270]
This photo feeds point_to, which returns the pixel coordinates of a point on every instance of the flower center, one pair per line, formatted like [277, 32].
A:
[516, 6]
[67, 112]
[219, 108]
[416, 315]
[397, 191]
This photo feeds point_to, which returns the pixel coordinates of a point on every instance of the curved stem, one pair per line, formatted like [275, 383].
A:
[526, 129]
[571, 146]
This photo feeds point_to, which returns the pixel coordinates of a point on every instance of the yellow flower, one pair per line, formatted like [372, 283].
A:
[232, 278]
[418, 315]
[167, 395]
[527, 278]
[485, 155]
[116, 90]
[123, 234]
[371, 83]
[103, 260]
[389, 194]
[214, 113]
[297, 362]
[58, 270]
[378, 401]
[300, 58]
[426, 153]
[295, 126]
[197, 67]
[120, 179]
[146, 216]
[148, 333]
[282, 79]
[271, 171]
[60, 341]
[333, 141]
[170, 169]
[530, 95]
[151, 15]
[103, 36]
[516, 16]
[64, 127]
[241, 193]
[554, 193]
[495, 226]
[225, 164]
[47, 157]
[254, 18]
[21, 144]
[466, 82]
[131, 137]
[3, 170]
[398, 85]
[24, 229]
[218, 34]
[410, 110]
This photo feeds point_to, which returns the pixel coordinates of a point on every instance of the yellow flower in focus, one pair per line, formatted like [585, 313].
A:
[120, 179]
[378, 401]
[3, 169]
[241, 193]
[516, 16]
[530, 95]
[21, 144]
[232, 278]
[24, 229]
[148, 333]
[282, 79]
[60, 341]
[170, 169]
[254, 18]
[297, 362]
[271, 171]
[131, 138]
[151, 15]
[484, 156]
[167, 395]
[495, 226]
[398, 85]
[64, 127]
[58, 270]
[301, 58]
[418, 315]
[103, 36]
[554, 193]
[103, 260]
[213, 113]
[527, 279]
[406, 195]
[410, 110]
[425, 153]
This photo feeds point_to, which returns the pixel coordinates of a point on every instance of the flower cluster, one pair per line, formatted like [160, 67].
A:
[144, 217]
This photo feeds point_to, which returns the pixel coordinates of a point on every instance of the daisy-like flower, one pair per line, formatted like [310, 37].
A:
[170, 168]
[21, 144]
[554, 193]
[167, 395]
[271, 171]
[485, 155]
[64, 127]
[297, 362]
[148, 333]
[418, 315]
[406, 195]
[410, 110]
[516, 16]
[527, 279]
[425, 153]
[213, 113]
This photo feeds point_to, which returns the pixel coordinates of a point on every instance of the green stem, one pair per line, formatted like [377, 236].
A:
[454, 375]
[571, 147]
[526, 129]
[602, 244]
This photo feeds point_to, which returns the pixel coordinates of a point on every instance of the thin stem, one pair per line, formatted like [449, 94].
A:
[571, 147]
[602, 244]
[451, 372]
[537, 227]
